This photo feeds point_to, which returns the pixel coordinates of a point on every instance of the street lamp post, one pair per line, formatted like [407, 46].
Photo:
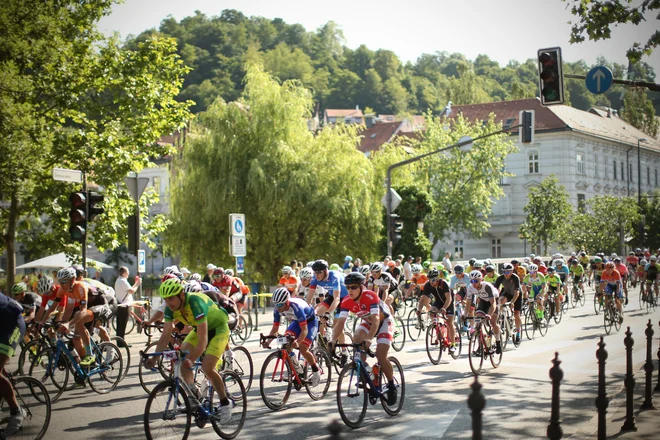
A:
[639, 185]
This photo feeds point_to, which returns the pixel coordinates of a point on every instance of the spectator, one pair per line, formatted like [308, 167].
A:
[446, 262]
[407, 268]
[348, 264]
[208, 278]
[418, 260]
[98, 277]
[124, 294]
[356, 265]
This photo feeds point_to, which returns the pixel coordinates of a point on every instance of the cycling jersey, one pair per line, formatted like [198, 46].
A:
[208, 287]
[420, 279]
[623, 270]
[298, 311]
[598, 269]
[651, 272]
[94, 285]
[486, 292]
[535, 282]
[384, 283]
[577, 270]
[543, 270]
[458, 283]
[632, 261]
[491, 277]
[78, 293]
[290, 282]
[12, 325]
[439, 295]
[334, 282]
[31, 301]
[584, 261]
[611, 278]
[521, 272]
[553, 280]
[198, 309]
[228, 284]
[367, 304]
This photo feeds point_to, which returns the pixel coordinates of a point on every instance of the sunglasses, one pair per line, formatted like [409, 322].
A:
[508, 272]
[353, 287]
[280, 305]
[319, 272]
[474, 281]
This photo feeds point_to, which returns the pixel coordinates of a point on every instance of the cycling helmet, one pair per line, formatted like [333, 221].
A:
[376, 267]
[613, 256]
[643, 262]
[210, 266]
[631, 253]
[168, 270]
[229, 272]
[472, 261]
[364, 270]
[573, 254]
[218, 272]
[551, 269]
[80, 271]
[653, 258]
[44, 285]
[196, 277]
[583, 253]
[526, 260]
[192, 286]
[507, 266]
[306, 273]
[433, 274]
[574, 262]
[487, 262]
[185, 271]
[458, 268]
[477, 264]
[559, 262]
[169, 276]
[171, 287]
[18, 289]
[66, 274]
[416, 268]
[286, 270]
[348, 258]
[281, 295]
[617, 260]
[476, 275]
[309, 264]
[533, 268]
[426, 264]
[335, 266]
[178, 274]
[391, 264]
[609, 264]
[638, 250]
[319, 265]
[354, 278]
[514, 261]
[532, 256]
[490, 268]
[598, 260]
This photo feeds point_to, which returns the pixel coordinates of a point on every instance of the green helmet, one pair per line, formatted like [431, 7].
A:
[170, 287]
[18, 289]
[598, 260]
[335, 266]
[426, 264]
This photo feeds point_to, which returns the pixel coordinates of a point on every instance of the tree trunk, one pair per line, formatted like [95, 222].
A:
[10, 241]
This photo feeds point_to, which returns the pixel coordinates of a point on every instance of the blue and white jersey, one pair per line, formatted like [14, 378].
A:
[333, 283]
[208, 286]
[563, 272]
[298, 311]
[459, 283]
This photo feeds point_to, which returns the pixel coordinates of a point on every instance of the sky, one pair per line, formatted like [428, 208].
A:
[502, 29]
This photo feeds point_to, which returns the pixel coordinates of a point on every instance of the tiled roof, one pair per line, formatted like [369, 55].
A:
[342, 113]
[375, 136]
[510, 110]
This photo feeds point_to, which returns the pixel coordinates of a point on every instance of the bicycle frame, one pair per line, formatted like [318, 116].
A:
[285, 357]
[375, 391]
[62, 348]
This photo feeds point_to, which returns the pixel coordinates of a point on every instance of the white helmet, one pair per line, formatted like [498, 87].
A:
[66, 274]
[416, 268]
[210, 266]
[286, 270]
[169, 270]
[533, 268]
[45, 284]
[476, 275]
[192, 286]
[306, 273]
[196, 277]
[229, 272]
[185, 271]
[281, 295]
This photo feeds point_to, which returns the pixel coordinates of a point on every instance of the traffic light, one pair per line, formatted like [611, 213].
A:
[396, 226]
[526, 130]
[551, 78]
[94, 199]
[78, 216]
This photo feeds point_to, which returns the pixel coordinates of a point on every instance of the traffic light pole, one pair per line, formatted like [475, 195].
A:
[84, 241]
[388, 179]
[649, 85]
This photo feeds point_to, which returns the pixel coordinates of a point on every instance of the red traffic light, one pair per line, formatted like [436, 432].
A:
[77, 200]
[551, 78]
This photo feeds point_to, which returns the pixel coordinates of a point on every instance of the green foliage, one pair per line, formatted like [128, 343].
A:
[303, 196]
[548, 211]
[650, 211]
[639, 111]
[415, 206]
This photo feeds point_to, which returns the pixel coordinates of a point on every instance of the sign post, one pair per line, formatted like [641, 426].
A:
[142, 264]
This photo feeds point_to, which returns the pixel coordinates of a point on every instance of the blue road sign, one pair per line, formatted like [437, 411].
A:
[240, 264]
[238, 226]
[599, 79]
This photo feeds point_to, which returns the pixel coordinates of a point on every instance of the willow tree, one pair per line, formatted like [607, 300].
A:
[304, 196]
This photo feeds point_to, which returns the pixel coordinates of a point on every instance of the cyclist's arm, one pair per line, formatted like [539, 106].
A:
[165, 336]
[310, 294]
[448, 300]
[338, 326]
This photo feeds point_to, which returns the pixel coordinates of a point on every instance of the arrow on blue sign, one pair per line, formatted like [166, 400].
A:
[599, 79]
[238, 226]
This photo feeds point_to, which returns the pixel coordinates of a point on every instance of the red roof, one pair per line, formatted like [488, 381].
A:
[375, 136]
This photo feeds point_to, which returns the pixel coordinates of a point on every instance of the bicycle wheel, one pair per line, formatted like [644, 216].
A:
[237, 395]
[574, 294]
[504, 330]
[243, 366]
[530, 323]
[458, 340]
[399, 383]
[351, 396]
[240, 333]
[168, 413]
[607, 320]
[32, 398]
[558, 314]
[414, 327]
[110, 363]
[125, 354]
[642, 295]
[28, 353]
[434, 344]
[52, 370]
[476, 351]
[618, 319]
[583, 298]
[275, 381]
[324, 364]
[399, 337]
[148, 378]
[543, 324]
[496, 359]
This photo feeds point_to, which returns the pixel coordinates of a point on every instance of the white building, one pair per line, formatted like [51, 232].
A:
[591, 153]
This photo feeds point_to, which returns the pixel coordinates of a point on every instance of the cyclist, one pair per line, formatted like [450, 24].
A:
[48, 291]
[437, 289]
[597, 269]
[230, 286]
[28, 300]
[376, 322]
[485, 295]
[304, 326]
[491, 274]
[306, 275]
[508, 285]
[652, 275]
[458, 284]
[418, 279]
[577, 270]
[209, 336]
[289, 280]
[12, 330]
[535, 284]
[610, 280]
[381, 282]
[623, 270]
[518, 269]
[563, 272]
[632, 262]
[555, 287]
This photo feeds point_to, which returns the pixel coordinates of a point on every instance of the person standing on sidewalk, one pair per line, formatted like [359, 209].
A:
[124, 294]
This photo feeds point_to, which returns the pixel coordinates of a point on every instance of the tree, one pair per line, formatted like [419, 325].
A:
[303, 196]
[416, 205]
[650, 211]
[548, 211]
[73, 99]
[594, 19]
[638, 111]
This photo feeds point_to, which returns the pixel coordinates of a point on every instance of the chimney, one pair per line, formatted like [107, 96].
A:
[357, 107]
[609, 112]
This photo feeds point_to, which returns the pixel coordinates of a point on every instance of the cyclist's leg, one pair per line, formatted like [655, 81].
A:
[212, 355]
[384, 338]
[12, 330]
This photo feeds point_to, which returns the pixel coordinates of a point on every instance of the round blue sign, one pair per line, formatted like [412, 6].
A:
[599, 79]
[238, 226]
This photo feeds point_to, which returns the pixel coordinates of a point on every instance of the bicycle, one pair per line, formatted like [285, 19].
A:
[578, 295]
[143, 308]
[598, 298]
[180, 402]
[417, 323]
[33, 399]
[356, 386]
[54, 364]
[481, 344]
[322, 341]
[648, 297]
[121, 345]
[437, 339]
[550, 307]
[281, 371]
[243, 329]
[507, 325]
[611, 316]
[535, 319]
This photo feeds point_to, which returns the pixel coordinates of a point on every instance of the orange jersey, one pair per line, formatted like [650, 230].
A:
[78, 293]
[291, 283]
[420, 279]
[611, 278]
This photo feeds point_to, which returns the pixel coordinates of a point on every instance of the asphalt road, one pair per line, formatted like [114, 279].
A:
[517, 393]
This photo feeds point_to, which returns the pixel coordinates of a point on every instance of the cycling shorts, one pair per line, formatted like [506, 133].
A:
[484, 307]
[535, 290]
[516, 305]
[385, 332]
[101, 312]
[238, 298]
[440, 304]
[312, 329]
[218, 340]
[611, 288]
[577, 278]
[12, 330]
[328, 303]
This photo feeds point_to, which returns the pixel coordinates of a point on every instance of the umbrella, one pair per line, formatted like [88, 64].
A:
[58, 261]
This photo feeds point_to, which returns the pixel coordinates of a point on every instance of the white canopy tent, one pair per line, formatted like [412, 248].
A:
[58, 261]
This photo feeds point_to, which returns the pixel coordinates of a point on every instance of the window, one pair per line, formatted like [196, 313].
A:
[458, 249]
[595, 166]
[614, 168]
[656, 177]
[508, 123]
[581, 202]
[623, 175]
[648, 176]
[496, 248]
[630, 175]
[607, 173]
[580, 163]
[157, 184]
[533, 163]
